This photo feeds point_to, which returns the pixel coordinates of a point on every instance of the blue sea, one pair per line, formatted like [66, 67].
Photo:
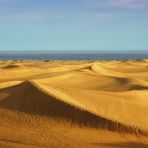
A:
[102, 55]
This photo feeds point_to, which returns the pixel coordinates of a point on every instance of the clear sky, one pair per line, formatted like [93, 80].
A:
[73, 25]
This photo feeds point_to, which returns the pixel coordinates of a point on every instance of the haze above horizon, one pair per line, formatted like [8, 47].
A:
[68, 25]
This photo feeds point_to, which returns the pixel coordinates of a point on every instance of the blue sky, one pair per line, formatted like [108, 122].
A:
[73, 25]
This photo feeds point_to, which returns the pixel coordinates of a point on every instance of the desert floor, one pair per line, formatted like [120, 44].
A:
[59, 104]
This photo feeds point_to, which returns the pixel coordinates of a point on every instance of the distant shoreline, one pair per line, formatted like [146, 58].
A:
[111, 55]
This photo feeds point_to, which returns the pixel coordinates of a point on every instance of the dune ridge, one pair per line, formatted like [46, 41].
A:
[86, 96]
[72, 100]
[42, 102]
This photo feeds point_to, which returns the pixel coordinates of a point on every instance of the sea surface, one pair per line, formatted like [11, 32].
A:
[74, 55]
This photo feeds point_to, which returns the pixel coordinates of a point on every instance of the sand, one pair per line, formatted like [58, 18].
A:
[90, 104]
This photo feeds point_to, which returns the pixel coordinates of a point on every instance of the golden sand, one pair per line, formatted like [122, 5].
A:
[90, 104]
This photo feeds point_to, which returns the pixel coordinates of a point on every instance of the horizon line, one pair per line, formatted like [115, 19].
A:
[77, 51]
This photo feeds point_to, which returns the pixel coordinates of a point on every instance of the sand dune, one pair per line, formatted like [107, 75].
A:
[74, 104]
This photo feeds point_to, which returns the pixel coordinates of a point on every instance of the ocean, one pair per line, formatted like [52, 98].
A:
[107, 55]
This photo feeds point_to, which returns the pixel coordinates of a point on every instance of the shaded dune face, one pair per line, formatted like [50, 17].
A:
[97, 82]
[127, 84]
[27, 98]
[10, 66]
[120, 81]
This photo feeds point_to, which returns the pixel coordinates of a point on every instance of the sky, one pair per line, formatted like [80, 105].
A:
[73, 25]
